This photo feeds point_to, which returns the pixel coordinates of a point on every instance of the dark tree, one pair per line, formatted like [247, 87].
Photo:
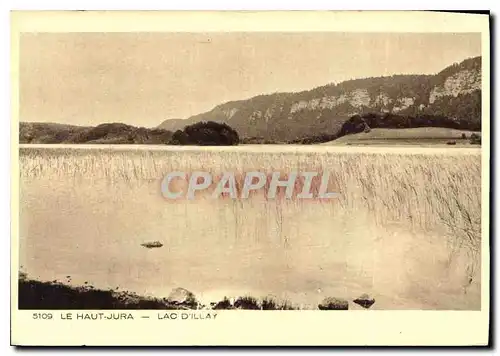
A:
[179, 138]
[475, 139]
[206, 134]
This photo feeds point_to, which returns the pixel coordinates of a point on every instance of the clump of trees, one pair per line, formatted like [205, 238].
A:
[206, 133]
[107, 133]
[475, 139]
[366, 122]
[310, 140]
[466, 106]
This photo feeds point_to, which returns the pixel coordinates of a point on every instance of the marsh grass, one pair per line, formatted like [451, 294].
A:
[438, 193]
[423, 190]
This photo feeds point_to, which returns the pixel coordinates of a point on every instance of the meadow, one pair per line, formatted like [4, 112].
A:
[405, 228]
[419, 136]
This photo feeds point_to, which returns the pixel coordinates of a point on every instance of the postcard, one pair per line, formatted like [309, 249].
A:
[250, 178]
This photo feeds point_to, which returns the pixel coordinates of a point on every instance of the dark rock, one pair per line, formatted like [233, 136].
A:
[154, 244]
[223, 304]
[365, 301]
[331, 303]
[182, 297]
[246, 303]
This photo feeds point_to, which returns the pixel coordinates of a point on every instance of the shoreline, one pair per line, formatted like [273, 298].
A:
[55, 295]
[352, 149]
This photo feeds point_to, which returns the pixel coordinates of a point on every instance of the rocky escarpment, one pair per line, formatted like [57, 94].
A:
[463, 82]
[455, 92]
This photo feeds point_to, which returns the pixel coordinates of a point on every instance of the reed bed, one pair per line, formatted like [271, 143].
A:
[438, 192]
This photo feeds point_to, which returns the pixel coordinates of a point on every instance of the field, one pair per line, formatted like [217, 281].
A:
[422, 136]
[405, 229]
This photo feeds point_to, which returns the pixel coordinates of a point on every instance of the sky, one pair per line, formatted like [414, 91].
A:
[143, 79]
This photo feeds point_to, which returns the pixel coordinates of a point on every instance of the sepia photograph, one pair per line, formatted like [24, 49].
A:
[197, 172]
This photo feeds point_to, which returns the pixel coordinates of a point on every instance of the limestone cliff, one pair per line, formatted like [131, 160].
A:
[454, 92]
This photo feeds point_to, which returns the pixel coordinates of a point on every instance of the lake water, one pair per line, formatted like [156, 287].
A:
[92, 230]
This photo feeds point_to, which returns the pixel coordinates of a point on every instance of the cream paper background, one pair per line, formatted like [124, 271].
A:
[251, 327]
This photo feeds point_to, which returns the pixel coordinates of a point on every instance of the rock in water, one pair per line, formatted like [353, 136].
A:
[182, 297]
[365, 301]
[331, 303]
[154, 244]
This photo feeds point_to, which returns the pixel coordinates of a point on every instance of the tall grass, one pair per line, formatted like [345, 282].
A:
[438, 192]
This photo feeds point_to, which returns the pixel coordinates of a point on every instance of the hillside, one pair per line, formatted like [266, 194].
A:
[455, 92]
[172, 124]
[111, 133]
[412, 136]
